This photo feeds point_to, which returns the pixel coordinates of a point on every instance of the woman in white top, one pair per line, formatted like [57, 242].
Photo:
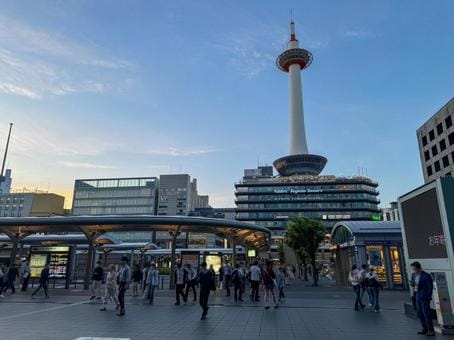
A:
[111, 288]
[355, 280]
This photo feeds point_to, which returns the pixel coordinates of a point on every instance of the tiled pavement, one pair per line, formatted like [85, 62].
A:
[309, 313]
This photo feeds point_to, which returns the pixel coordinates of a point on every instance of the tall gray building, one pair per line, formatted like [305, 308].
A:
[436, 143]
[115, 196]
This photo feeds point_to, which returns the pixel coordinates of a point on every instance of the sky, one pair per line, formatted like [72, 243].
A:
[141, 88]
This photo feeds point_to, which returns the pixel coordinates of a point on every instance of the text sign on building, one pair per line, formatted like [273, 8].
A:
[296, 191]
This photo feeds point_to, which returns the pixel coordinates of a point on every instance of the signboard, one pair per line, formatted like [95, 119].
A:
[423, 226]
[251, 253]
[383, 243]
[442, 300]
[191, 258]
[296, 191]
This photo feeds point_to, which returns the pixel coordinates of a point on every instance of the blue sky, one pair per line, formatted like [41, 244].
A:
[139, 88]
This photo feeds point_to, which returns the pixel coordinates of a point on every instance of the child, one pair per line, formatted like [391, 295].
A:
[281, 282]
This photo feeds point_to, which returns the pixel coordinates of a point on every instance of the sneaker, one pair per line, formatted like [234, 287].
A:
[103, 309]
[430, 333]
[92, 298]
[98, 298]
[204, 317]
[276, 307]
[177, 303]
[423, 332]
[267, 307]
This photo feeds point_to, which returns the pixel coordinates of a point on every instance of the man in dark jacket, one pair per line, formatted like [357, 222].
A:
[11, 276]
[207, 283]
[43, 281]
[423, 286]
[96, 281]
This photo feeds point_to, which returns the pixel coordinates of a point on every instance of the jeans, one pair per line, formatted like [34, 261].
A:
[121, 296]
[424, 314]
[374, 293]
[42, 285]
[151, 289]
[189, 286]
[227, 284]
[238, 291]
[179, 291]
[255, 290]
[203, 300]
[281, 292]
[357, 292]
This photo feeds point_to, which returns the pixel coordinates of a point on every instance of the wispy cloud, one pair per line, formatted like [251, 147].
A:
[83, 165]
[178, 152]
[35, 63]
[359, 34]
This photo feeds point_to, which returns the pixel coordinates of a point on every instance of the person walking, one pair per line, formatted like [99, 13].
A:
[146, 269]
[11, 276]
[111, 288]
[237, 280]
[227, 272]
[43, 281]
[137, 277]
[124, 277]
[2, 279]
[179, 279]
[25, 275]
[191, 281]
[374, 286]
[207, 283]
[269, 283]
[280, 279]
[152, 281]
[364, 288]
[422, 284]
[354, 277]
[255, 277]
[96, 281]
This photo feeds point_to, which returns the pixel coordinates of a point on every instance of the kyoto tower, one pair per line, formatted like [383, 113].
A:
[300, 161]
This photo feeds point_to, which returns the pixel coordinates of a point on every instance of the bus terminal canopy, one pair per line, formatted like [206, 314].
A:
[248, 234]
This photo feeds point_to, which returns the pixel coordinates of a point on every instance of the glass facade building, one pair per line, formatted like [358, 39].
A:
[115, 196]
[271, 201]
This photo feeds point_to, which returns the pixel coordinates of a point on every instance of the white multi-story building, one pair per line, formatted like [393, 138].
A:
[391, 213]
[436, 143]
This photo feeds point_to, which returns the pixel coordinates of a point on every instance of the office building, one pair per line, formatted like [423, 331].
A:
[298, 189]
[391, 213]
[5, 182]
[436, 144]
[115, 196]
[27, 204]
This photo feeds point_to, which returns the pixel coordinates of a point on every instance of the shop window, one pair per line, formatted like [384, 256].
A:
[431, 135]
[395, 265]
[376, 258]
[440, 128]
[434, 151]
[442, 145]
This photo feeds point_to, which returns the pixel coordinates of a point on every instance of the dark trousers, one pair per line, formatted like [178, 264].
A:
[179, 291]
[375, 293]
[9, 284]
[357, 292]
[281, 292]
[121, 296]
[227, 284]
[255, 290]
[2, 283]
[238, 292]
[25, 284]
[203, 300]
[44, 286]
[424, 314]
[189, 286]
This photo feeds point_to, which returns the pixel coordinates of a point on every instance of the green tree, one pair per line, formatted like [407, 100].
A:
[304, 236]
[280, 251]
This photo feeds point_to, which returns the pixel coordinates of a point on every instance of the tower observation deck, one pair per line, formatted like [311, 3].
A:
[300, 161]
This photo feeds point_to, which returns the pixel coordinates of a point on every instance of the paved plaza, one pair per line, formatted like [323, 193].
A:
[323, 312]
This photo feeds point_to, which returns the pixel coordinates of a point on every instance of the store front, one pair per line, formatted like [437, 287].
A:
[372, 243]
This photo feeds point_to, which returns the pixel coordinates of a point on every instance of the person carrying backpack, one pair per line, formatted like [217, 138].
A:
[237, 280]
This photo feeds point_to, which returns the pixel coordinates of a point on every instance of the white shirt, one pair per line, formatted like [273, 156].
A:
[256, 273]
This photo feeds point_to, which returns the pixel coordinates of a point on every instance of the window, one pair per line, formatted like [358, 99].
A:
[451, 138]
[426, 155]
[452, 156]
[424, 140]
[434, 150]
[440, 128]
[437, 166]
[431, 135]
[448, 122]
[429, 171]
[445, 160]
[442, 145]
